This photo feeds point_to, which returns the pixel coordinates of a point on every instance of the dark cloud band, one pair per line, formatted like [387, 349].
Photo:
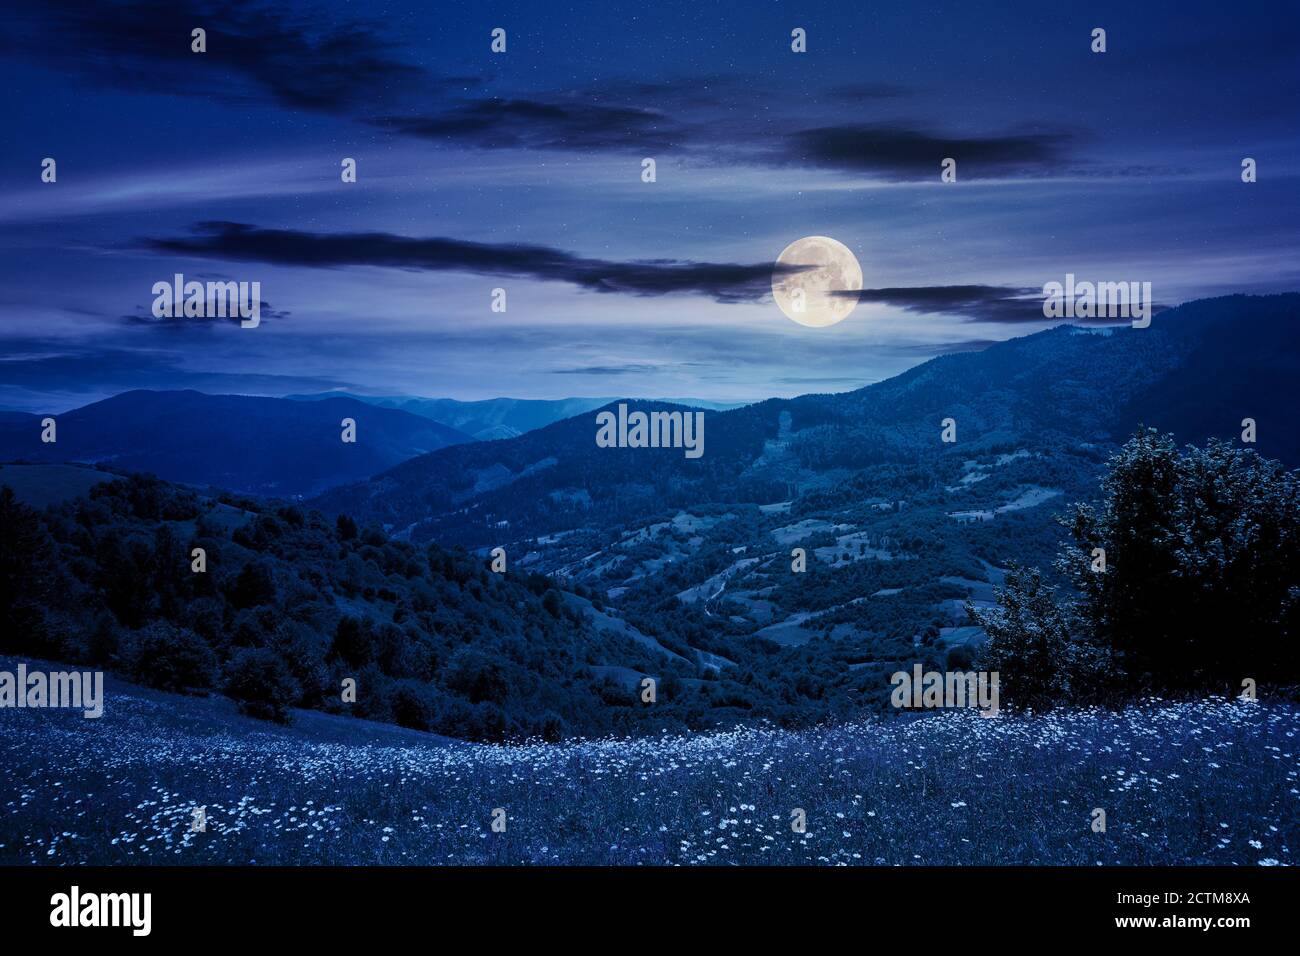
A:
[1006, 305]
[722, 281]
[902, 150]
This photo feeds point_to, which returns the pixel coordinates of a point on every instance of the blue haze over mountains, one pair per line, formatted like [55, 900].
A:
[495, 418]
[901, 530]
[1233, 358]
[265, 446]
[286, 447]
[1052, 390]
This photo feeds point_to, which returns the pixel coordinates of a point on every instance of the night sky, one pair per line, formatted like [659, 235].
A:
[523, 170]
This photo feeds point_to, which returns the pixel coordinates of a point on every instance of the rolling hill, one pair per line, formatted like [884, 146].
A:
[338, 791]
[1061, 390]
[495, 418]
[265, 446]
[288, 606]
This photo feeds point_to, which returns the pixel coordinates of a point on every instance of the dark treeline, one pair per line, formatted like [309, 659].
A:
[292, 604]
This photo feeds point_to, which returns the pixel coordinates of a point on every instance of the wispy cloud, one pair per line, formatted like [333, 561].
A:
[359, 69]
[499, 123]
[302, 60]
[209, 319]
[888, 149]
[901, 149]
[929, 349]
[1006, 305]
[866, 92]
[605, 370]
[974, 303]
[814, 380]
[721, 281]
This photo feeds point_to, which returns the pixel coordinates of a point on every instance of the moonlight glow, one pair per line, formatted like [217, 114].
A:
[827, 267]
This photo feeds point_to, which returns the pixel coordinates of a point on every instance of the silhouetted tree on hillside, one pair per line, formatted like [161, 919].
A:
[1200, 588]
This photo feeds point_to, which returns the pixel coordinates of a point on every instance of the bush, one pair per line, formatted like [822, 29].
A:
[959, 658]
[478, 677]
[168, 657]
[261, 682]
[255, 585]
[354, 641]
[411, 704]
[551, 728]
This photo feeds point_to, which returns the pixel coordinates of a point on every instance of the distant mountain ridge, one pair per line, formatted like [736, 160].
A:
[1057, 388]
[267, 446]
[495, 418]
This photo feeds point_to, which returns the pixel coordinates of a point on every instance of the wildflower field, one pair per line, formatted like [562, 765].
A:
[1208, 782]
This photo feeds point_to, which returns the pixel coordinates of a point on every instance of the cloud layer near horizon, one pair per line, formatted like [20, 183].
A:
[723, 282]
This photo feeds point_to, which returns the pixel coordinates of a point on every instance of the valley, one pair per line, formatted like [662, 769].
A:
[820, 544]
[900, 531]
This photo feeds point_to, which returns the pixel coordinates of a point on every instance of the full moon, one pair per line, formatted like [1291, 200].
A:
[805, 294]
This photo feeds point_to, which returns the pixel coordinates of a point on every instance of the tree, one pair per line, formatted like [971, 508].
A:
[1201, 586]
[1198, 587]
[124, 576]
[260, 680]
[168, 657]
[551, 602]
[28, 571]
[412, 704]
[477, 676]
[1032, 645]
[255, 585]
[354, 641]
